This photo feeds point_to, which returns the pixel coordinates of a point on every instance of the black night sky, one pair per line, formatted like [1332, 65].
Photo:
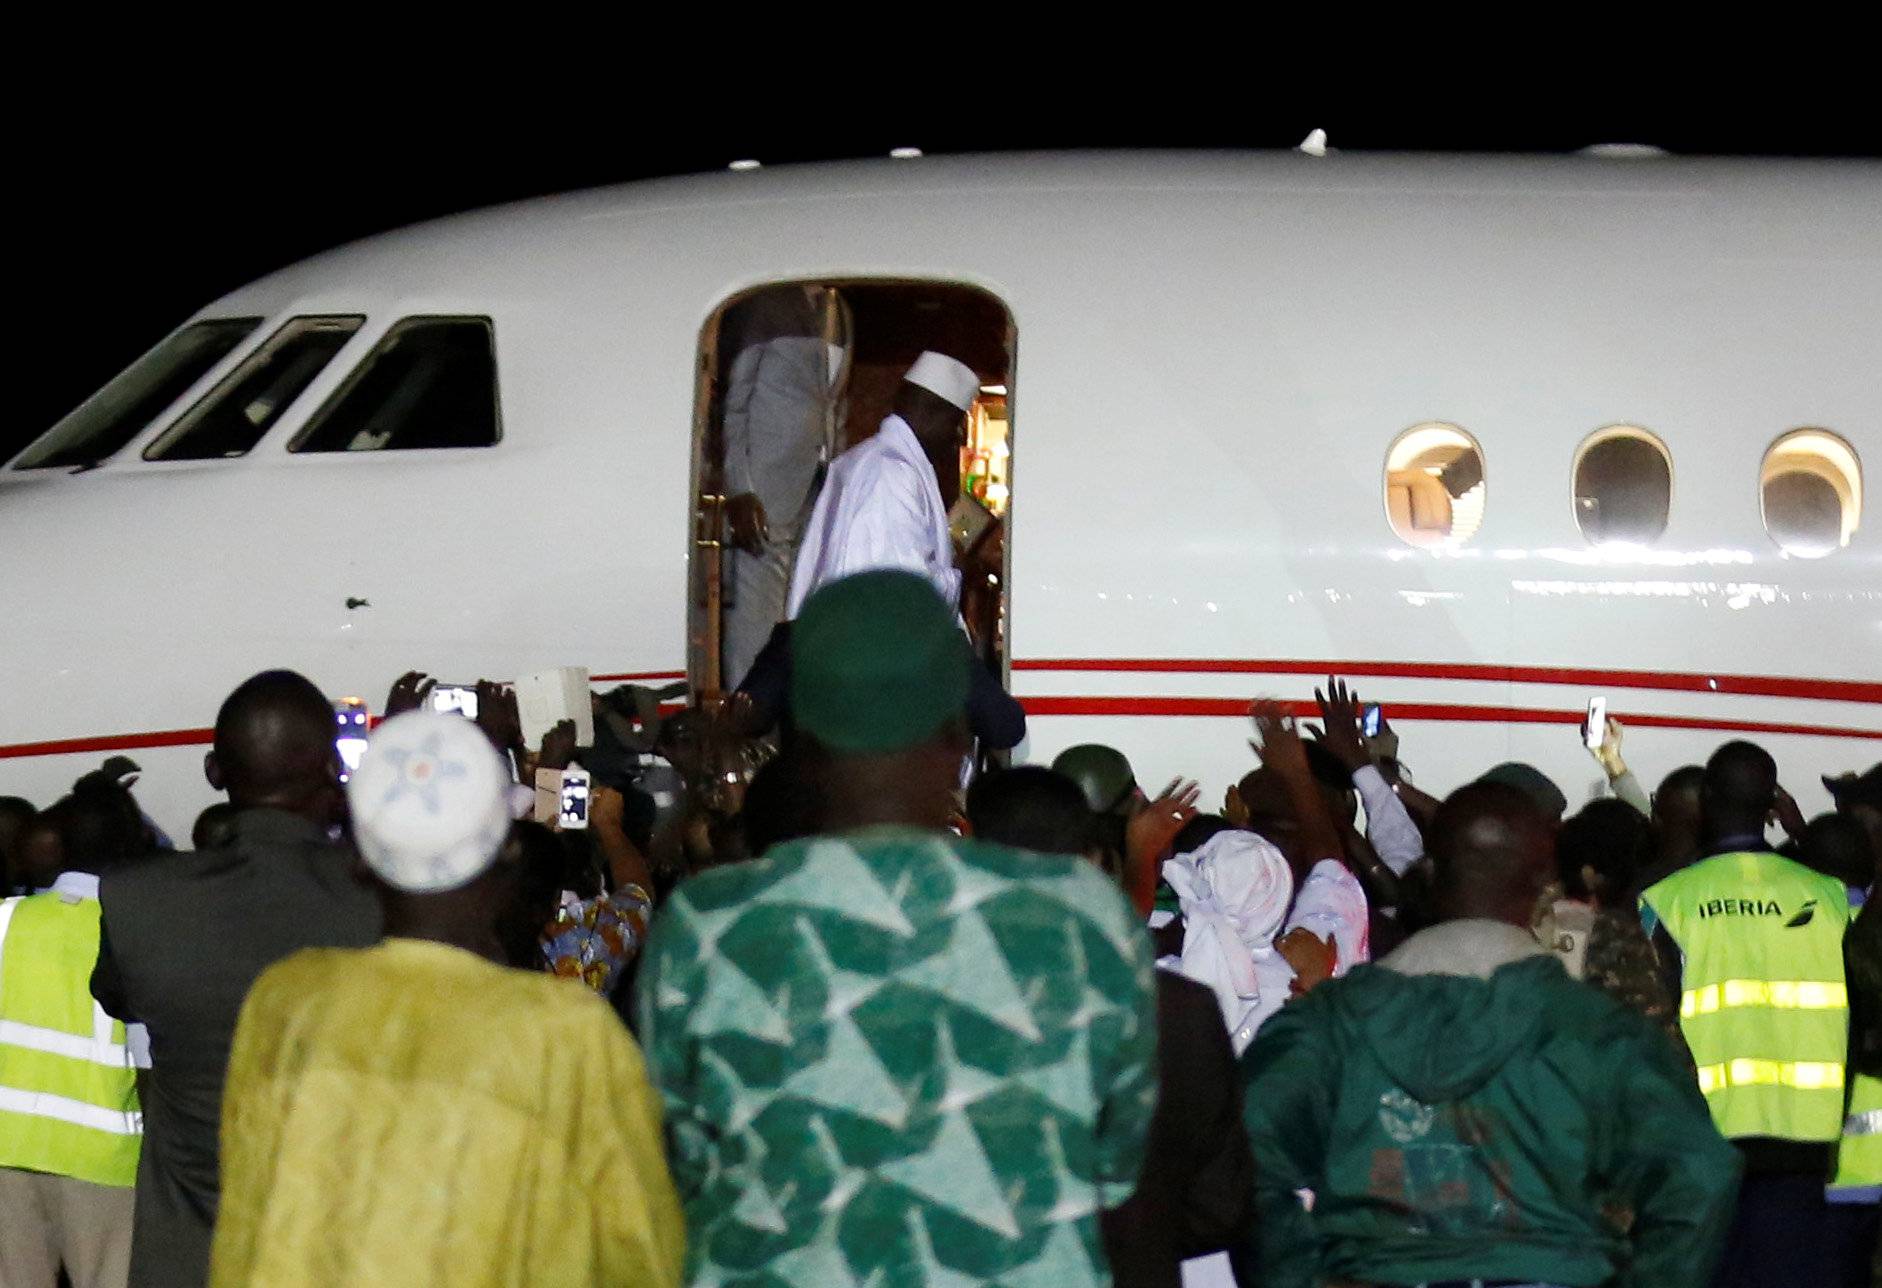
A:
[127, 225]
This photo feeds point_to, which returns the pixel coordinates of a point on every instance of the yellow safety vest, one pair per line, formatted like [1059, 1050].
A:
[1859, 1155]
[1764, 1006]
[68, 1087]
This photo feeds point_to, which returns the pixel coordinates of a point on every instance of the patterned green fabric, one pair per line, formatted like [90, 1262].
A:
[899, 1059]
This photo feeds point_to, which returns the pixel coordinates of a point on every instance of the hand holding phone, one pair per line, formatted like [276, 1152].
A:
[352, 724]
[1373, 720]
[576, 786]
[456, 698]
[1594, 727]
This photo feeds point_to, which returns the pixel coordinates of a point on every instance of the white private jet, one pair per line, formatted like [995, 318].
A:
[1492, 437]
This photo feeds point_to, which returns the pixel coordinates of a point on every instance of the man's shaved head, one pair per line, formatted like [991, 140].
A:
[274, 745]
[1492, 854]
[1738, 791]
[1676, 813]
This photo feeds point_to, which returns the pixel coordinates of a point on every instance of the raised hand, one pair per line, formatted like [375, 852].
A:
[1340, 728]
[497, 715]
[1277, 740]
[558, 749]
[1788, 816]
[408, 693]
[1152, 828]
[1609, 752]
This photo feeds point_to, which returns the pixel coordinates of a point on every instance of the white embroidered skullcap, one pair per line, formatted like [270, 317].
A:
[430, 802]
[946, 378]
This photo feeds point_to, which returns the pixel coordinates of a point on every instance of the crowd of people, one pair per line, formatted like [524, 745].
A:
[815, 1009]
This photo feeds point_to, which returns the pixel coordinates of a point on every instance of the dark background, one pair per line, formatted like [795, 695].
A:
[137, 212]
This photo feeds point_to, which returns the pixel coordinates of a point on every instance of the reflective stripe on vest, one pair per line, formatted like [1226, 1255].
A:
[1859, 1153]
[1765, 1006]
[68, 1082]
[1785, 994]
[1807, 1074]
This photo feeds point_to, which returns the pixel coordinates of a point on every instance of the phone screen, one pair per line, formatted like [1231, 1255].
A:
[574, 811]
[353, 722]
[1373, 720]
[1594, 729]
[457, 698]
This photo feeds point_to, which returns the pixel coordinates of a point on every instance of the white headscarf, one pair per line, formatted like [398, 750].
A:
[1234, 892]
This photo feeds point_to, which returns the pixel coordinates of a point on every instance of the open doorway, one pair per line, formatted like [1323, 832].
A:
[791, 375]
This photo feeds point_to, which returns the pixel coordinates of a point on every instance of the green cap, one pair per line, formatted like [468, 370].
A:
[1102, 773]
[877, 663]
[1531, 782]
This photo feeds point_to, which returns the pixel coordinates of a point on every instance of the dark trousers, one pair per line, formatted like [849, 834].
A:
[1780, 1234]
[1853, 1242]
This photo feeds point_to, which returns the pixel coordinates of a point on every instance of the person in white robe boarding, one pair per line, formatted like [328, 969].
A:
[885, 505]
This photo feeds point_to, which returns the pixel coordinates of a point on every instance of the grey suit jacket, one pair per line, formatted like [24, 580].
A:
[183, 937]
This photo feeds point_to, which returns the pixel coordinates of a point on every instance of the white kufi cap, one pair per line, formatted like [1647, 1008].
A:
[946, 378]
[430, 802]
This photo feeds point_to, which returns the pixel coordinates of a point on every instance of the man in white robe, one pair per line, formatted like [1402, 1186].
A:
[885, 502]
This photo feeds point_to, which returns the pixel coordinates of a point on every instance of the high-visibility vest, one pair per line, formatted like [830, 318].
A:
[1859, 1155]
[68, 1085]
[1764, 1006]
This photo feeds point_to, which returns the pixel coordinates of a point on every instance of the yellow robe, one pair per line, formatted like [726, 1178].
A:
[412, 1114]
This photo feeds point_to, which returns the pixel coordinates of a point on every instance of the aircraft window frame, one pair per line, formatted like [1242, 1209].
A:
[316, 421]
[1616, 432]
[173, 443]
[46, 453]
[1845, 478]
[1464, 517]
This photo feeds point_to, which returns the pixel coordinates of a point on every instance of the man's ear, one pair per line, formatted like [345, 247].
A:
[1591, 881]
[212, 770]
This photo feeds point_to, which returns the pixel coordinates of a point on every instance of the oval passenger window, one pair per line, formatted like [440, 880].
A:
[1810, 490]
[1434, 485]
[1623, 486]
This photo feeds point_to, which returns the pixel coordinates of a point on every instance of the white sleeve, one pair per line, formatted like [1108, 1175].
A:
[736, 426]
[1332, 904]
[1628, 788]
[1389, 826]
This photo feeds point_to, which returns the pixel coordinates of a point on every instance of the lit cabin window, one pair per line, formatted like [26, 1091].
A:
[431, 382]
[245, 404]
[1434, 485]
[1811, 492]
[1623, 486]
[116, 414]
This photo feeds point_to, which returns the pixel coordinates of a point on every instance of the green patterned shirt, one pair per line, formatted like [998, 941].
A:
[900, 1058]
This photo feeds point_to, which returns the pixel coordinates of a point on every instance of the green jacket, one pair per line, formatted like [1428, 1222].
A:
[1508, 1124]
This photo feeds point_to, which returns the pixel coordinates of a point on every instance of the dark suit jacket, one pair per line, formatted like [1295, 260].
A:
[994, 716]
[183, 937]
[1197, 1192]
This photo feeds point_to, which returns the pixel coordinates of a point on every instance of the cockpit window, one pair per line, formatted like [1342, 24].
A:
[137, 395]
[245, 404]
[431, 382]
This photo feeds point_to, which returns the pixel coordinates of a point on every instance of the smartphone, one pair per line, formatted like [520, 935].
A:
[1594, 729]
[455, 697]
[353, 723]
[574, 811]
[1373, 720]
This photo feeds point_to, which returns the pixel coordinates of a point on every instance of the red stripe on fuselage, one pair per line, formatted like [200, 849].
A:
[1671, 681]
[1772, 686]
[1413, 711]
